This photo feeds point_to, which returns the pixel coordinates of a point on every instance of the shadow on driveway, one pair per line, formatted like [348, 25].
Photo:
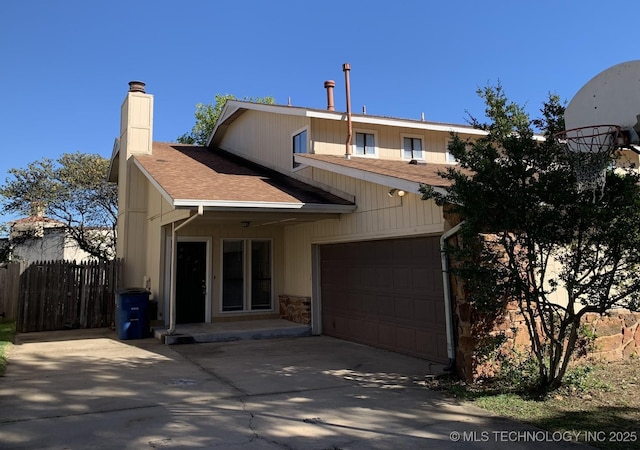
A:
[94, 391]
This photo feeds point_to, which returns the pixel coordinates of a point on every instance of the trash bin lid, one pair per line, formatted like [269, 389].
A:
[131, 291]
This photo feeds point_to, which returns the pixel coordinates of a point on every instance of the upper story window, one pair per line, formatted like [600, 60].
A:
[412, 148]
[365, 144]
[299, 145]
[449, 158]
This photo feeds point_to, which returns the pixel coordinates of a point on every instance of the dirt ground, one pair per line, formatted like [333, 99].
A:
[598, 396]
[607, 400]
[614, 384]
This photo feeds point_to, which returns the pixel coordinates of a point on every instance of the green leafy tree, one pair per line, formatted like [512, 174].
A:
[73, 190]
[529, 233]
[207, 116]
[5, 249]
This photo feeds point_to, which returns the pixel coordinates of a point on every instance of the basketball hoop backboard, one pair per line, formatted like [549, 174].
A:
[611, 97]
[603, 116]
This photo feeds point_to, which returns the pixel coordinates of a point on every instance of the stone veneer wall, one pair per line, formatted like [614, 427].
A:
[295, 309]
[617, 331]
[617, 334]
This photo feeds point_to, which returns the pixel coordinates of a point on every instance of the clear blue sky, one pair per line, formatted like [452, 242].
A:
[65, 64]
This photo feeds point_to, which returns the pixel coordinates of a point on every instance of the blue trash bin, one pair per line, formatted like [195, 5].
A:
[132, 313]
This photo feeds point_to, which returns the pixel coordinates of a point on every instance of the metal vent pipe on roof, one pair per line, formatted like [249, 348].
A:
[329, 85]
[346, 68]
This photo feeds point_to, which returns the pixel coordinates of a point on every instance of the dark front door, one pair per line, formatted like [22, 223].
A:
[191, 282]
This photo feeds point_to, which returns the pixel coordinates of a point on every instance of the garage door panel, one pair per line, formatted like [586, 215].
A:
[440, 315]
[401, 278]
[383, 275]
[425, 312]
[407, 340]
[422, 278]
[364, 331]
[337, 326]
[385, 293]
[387, 336]
[385, 306]
[368, 277]
[404, 308]
[442, 346]
[368, 304]
[428, 342]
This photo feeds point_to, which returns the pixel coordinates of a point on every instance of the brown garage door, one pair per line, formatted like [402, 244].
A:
[386, 294]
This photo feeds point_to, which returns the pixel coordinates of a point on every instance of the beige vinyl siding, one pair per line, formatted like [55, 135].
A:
[155, 208]
[264, 138]
[297, 260]
[628, 158]
[135, 246]
[378, 217]
[329, 138]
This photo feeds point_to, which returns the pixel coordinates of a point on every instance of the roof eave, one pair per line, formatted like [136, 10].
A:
[373, 177]
[112, 173]
[231, 205]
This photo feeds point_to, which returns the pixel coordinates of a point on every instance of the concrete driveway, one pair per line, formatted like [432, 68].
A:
[86, 389]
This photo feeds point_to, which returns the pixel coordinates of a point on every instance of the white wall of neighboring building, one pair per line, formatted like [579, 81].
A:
[46, 240]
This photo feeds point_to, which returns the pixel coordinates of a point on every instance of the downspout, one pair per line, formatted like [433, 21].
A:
[172, 276]
[446, 284]
[346, 68]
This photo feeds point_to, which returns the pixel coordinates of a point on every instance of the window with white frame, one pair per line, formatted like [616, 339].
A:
[412, 147]
[365, 144]
[247, 278]
[299, 144]
[449, 158]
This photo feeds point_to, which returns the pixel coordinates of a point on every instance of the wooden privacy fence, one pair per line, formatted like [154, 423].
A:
[58, 295]
[10, 288]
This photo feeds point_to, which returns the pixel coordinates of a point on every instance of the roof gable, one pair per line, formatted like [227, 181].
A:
[235, 108]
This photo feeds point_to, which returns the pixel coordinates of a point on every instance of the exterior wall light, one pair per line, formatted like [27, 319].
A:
[398, 192]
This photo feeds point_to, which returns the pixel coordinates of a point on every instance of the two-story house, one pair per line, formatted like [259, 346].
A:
[290, 204]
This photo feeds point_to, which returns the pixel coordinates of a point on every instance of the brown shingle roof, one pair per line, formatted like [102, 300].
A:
[418, 173]
[187, 172]
[37, 219]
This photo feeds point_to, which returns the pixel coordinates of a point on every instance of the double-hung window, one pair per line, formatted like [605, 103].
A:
[365, 144]
[449, 158]
[412, 148]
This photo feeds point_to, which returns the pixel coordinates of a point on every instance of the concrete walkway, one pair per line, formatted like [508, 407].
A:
[231, 331]
[86, 389]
